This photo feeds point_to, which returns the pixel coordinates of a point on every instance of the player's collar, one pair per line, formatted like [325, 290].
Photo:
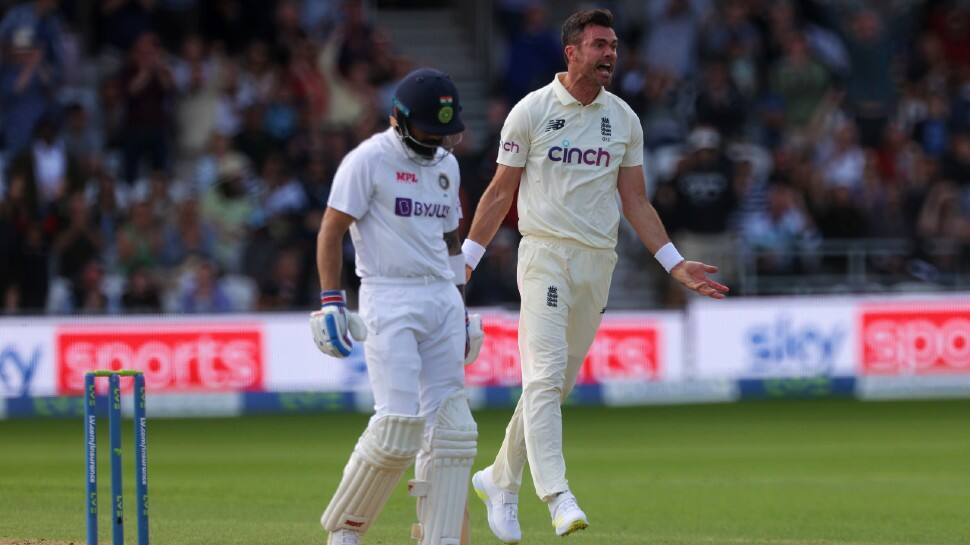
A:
[566, 98]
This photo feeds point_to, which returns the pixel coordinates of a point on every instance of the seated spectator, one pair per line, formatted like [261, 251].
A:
[79, 242]
[48, 165]
[187, 235]
[841, 160]
[141, 293]
[283, 290]
[87, 290]
[83, 141]
[23, 277]
[228, 208]
[283, 194]
[779, 234]
[139, 242]
[202, 293]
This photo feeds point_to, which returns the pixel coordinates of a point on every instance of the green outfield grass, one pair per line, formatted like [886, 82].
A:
[785, 473]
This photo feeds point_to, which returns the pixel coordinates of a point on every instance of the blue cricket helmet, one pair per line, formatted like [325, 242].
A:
[428, 99]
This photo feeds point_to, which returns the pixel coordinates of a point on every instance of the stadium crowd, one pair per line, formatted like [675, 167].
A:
[178, 158]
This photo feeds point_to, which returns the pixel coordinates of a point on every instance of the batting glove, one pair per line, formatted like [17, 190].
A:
[334, 327]
[474, 337]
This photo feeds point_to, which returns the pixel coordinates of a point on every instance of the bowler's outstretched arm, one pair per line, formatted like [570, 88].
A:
[645, 221]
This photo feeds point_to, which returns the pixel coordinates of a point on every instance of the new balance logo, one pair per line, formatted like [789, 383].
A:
[555, 124]
[552, 297]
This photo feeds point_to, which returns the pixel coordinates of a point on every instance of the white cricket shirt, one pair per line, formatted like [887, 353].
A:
[402, 209]
[572, 155]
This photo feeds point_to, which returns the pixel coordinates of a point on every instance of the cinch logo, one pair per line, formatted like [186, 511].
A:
[407, 177]
[510, 146]
[916, 342]
[407, 208]
[571, 156]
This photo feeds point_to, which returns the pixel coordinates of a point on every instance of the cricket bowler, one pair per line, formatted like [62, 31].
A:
[397, 193]
[574, 151]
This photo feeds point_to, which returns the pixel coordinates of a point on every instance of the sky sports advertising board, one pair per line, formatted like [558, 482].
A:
[275, 353]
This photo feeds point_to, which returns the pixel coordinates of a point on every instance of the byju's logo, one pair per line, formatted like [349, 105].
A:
[577, 156]
[510, 146]
[403, 207]
[785, 349]
[407, 208]
[555, 124]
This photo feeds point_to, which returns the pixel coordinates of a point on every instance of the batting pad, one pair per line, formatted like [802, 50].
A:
[385, 449]
[441, 483]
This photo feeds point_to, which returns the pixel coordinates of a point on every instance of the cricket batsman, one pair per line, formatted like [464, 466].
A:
[397, 193]
[575, 153]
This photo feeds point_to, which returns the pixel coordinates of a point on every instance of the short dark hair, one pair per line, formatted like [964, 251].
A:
[574, 26]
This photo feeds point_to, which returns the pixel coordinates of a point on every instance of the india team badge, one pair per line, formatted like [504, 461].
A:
[447, 110]
[443, 181]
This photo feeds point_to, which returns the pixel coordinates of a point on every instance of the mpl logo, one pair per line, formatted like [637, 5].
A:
[407, 177]
[784, 349]
[17, 369]
[197, 357]
[915, 342]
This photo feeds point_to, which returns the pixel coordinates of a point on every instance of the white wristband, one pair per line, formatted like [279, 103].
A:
[457, 263]
[668, 256]
[473, 252]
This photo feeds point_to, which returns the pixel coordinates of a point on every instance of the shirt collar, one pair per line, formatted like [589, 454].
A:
[566, 99]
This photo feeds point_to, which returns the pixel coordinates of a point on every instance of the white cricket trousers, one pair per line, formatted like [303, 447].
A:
[564, 287]
[415, 345]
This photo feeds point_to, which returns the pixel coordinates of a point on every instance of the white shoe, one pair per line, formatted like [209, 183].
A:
[502, 506]
[343, 537]
[567, 517]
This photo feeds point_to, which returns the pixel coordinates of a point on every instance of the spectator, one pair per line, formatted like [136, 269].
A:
[800, 82]
[672, 37]
[203, 293]
[140, 239]
[148, 87]
[48, 165]
[141, 293]
[122, 22]
[87, 290]
[534, 55]
[82, 141]
[228, 208]
[283, 290]
[719, 103]
[197, 79]
[79, 242]
[841, 160]
[187, 235]
[701, 198]
[31, 53]
[23, 278]
[283, 196]
[780, 233]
